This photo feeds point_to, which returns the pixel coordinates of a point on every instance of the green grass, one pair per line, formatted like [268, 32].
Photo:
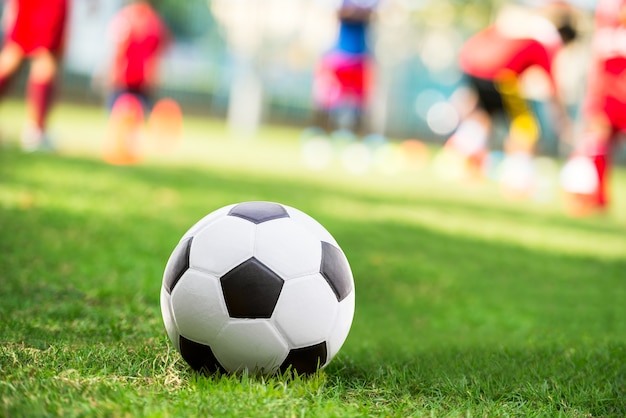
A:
[467, 304]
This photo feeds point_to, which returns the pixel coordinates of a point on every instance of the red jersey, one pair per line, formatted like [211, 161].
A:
[606, 82]
[38, 24]
[140, 37]
[490, 52]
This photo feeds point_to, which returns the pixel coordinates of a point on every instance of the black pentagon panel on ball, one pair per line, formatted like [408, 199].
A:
[178, 264]
[336, 270]
[259, 212]
[251, 290]
[306, 360]
[199, 356]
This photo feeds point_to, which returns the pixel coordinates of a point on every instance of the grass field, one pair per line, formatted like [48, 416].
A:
[467, 304]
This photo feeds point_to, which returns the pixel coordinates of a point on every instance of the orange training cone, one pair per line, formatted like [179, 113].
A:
[122, 144]
[165, 125]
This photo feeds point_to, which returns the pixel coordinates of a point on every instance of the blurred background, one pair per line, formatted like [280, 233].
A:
[252, 61]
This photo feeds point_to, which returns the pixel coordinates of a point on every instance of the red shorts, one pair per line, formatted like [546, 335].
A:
[39, 24]
[342, 80]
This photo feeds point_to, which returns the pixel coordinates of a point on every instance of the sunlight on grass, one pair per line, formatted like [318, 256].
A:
[499, 227]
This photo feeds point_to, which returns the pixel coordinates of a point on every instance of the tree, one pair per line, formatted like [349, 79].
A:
[186, 19]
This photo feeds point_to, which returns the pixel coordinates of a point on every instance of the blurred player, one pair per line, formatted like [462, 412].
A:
[493, 60]
[139, 37]
[604, 111]
[35, 30]
[343, 77]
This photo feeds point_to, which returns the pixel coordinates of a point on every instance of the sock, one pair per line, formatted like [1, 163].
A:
[601, 164]
[40, 96]
[597, 150]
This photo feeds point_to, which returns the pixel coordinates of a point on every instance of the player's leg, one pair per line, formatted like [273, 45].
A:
[518, 176]
[469, 142]
[361, 84]
[322, 119]
[596, 146]
[11, 57]
[461, 158]
[471, 137]
[39, 96]
[326, 92]
[353, 74]
[584, 177]
[603, 146]
[523, 127]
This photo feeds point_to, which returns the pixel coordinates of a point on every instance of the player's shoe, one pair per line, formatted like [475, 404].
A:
[316, 148]
[468, 145]
[34, 139]
[518, 176]
[580, 185]
[453, 163]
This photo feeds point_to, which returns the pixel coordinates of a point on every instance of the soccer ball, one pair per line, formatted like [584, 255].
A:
[257, 286]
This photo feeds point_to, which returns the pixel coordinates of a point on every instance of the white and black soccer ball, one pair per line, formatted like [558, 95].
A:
[257, 286]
